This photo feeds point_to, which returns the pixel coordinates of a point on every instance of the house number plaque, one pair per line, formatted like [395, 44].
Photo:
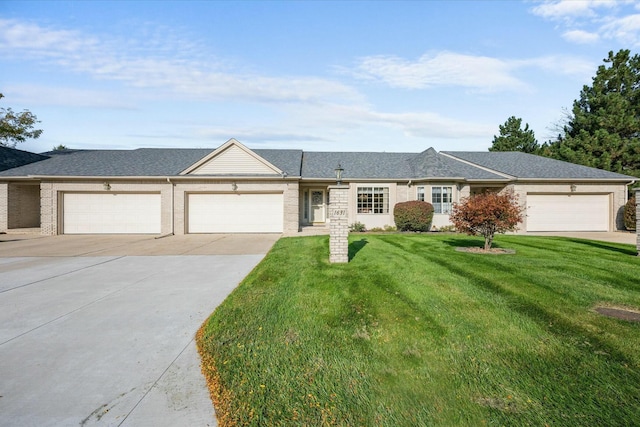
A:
[339, 213]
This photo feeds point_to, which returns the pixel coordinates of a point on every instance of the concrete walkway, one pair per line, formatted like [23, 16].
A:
[100, 337]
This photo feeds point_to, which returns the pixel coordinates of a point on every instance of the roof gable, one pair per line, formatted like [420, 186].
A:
[12, 158]
[530, 166]
[232, 158]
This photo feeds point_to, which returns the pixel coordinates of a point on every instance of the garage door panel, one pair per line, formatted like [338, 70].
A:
[235, 213]
[564, 212]
[111, 213]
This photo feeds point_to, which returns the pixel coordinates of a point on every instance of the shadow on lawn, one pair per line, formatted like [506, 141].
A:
[606, 246]
[354, 247]
[469, 243]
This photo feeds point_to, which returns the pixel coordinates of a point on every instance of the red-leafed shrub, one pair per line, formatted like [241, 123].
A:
[630, 214]
[487, 214]
[413, 216]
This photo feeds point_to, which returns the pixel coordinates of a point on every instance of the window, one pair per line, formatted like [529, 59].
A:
[305, 201]
[373, 200]
[441, 198]
[420, 195]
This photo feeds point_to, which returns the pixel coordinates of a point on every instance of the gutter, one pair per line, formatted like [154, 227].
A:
[154, 178]
[173, 212]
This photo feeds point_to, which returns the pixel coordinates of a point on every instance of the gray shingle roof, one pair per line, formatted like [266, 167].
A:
[356, 165]
[320, 165]
[286, 160]
[140, 162]
[428, 164]
[523, 165]
[12, 158]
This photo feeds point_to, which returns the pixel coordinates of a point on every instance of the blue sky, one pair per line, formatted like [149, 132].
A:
[318, 76]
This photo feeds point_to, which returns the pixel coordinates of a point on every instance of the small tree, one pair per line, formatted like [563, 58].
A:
[413, 216]
[630, 214]
[17, 127]
[487, 214]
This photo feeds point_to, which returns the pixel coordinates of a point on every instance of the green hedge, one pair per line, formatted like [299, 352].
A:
[413, 216]
[630, 214]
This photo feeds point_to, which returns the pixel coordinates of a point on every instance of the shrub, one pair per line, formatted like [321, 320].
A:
[630, 214]
[413, 216]
[447, 228]
[357, 227]
[486, 214]
[388, 228]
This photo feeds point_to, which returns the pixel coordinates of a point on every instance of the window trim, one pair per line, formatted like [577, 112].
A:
[442, 207]
[375, 200]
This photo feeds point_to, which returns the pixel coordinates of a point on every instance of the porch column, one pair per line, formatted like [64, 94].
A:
[338, 225]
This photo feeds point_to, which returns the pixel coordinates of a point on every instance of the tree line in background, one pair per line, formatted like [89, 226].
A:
[603, 128]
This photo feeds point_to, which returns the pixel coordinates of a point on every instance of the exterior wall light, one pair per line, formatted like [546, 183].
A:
[234, 186]
[339, 171]
[573, 188]
[106, 186]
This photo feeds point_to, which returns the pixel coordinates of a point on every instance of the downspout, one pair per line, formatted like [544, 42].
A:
[626, 194]
[173, 212]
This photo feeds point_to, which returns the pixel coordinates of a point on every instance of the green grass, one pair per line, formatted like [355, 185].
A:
[413, 333]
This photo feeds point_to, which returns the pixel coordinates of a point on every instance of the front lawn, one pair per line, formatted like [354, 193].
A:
[412, 332]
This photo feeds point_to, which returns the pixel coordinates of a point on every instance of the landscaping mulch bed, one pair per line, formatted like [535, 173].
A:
[492, 251]
[619, 313]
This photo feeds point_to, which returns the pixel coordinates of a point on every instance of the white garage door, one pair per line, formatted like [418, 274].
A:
[564, 212]
[235, 213]
[111, 213]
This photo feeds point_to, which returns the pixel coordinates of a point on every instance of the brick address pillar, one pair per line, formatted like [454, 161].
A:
[338, 225]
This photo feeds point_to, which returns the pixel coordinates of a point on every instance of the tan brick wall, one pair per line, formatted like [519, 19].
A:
[339, 225]
[4, 206]
[373, 220]
[617, 194]
[51, 194]
[24, 206]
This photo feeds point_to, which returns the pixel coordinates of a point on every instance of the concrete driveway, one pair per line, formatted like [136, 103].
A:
[99, 330]
[611, 237]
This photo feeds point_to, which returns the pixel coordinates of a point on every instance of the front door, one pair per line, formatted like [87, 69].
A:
[318, 207]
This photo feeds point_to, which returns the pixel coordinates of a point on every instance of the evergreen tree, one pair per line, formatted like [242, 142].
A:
[514, 138]
[603, 130]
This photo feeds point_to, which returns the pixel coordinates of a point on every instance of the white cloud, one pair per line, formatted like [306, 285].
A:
[567, 9]
[626, 30]
[581, 37]
[65, 96]
[163, 67]
[442, 69]
[591, 21]
[422, 124]
[479, 73]
[559, 64]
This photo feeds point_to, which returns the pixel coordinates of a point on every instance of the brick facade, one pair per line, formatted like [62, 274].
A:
[4, 207]
[173, 199]
[339, 224]
[24, 200]
[617, 193]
